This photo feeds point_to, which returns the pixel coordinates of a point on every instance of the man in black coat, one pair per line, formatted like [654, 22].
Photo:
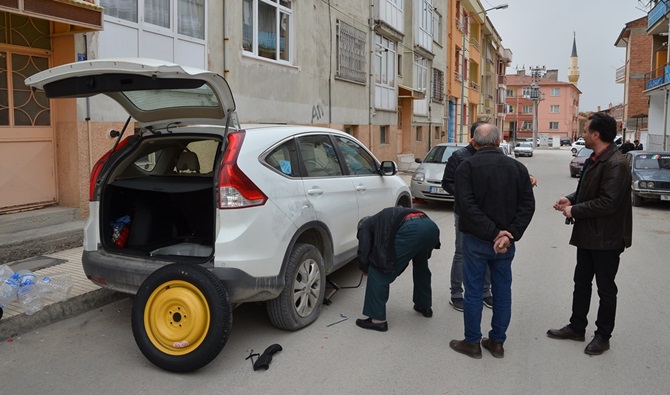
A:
[495, 202]
[387, 241]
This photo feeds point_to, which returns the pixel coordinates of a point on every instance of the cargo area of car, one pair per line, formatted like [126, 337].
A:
[164, 216]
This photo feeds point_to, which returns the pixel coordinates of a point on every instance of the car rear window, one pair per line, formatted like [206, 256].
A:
[652, 161]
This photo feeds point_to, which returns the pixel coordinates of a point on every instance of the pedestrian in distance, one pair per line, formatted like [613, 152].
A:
[495, 201]
[601, 214]
[387, 242]
[627, 146]
[638, 145]
[456, 288]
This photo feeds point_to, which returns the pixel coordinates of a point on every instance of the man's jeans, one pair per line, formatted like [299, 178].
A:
[477, 256]
[457, 268]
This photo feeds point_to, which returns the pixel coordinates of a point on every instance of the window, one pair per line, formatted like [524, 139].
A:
[266, 28]
[511, 93]
[438, 86]
[319, 157]
[385, 73]
[555, 92]
[357, 159]
[511, 109]
[554, 109]
[553, 125]
[419, 133]
[351, 62]
[420, 73]
[284, 159]
[527, 109]
[436, 136]
[382, 135]
[527, 125]
[437, 27]
[122, 9]
[188, 20]
[425, 23]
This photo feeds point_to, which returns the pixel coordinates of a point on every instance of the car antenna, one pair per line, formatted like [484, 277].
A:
[115, 133]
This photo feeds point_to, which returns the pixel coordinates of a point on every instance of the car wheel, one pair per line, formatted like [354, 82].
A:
[299, 303]
[573, 150]
[530, 155]
[181, 317]
[636, 200]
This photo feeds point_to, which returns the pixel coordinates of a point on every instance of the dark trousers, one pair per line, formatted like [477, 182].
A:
[414, 241]
[603, 264]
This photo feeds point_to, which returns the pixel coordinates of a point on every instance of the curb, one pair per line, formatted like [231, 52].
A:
[22, 323]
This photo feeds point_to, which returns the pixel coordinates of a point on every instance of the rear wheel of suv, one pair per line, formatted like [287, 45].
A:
[299, 303]
[181, 317]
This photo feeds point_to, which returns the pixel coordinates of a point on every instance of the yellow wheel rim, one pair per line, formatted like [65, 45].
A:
[177, 317]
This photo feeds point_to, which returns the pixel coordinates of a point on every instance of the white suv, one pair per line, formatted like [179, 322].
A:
[194, 213]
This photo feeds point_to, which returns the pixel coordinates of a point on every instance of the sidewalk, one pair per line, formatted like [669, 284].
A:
[83, 296]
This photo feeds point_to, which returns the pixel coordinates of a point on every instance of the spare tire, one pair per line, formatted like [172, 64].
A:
[181, 317]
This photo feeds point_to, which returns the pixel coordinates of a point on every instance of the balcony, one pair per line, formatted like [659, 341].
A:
[474, 85]
[656, 14]
[657, 77]
[620, 75]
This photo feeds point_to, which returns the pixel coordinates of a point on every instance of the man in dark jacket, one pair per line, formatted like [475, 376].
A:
[387, 241]
[456, 298]
[494, 198]
[603, 226]
[638, 145]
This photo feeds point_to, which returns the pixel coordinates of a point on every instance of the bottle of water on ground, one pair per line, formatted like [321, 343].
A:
[8, 286]
[55, 287]
[27, 294]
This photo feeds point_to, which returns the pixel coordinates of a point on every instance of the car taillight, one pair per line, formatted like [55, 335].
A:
[95, 171]
[236, 190]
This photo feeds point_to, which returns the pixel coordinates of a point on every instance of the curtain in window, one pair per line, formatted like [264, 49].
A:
[123, 9]
[157, 12]
[191, 18]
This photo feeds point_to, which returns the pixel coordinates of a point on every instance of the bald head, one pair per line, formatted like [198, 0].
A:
[487, 135]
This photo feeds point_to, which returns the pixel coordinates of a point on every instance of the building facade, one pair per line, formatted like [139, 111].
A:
[381, 70]
[638, 44]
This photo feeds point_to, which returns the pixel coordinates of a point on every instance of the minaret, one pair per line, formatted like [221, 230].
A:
[573, 70]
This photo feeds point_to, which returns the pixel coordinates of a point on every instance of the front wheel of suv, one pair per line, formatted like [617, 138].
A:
[181, 317]
[299, 303]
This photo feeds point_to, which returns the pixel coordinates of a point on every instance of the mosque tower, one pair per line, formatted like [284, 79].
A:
[573, 70]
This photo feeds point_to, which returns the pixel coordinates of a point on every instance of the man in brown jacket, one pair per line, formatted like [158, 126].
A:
[603, 225]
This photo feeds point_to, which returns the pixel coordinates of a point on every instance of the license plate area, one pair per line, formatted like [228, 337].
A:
[438, 190]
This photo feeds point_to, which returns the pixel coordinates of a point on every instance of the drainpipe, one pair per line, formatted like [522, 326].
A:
[665, 122]
[88, 114]
[370, 75]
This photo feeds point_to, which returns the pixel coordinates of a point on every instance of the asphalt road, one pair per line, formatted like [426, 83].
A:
[96, 353]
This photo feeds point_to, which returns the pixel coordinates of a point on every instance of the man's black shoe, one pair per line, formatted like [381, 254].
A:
[597, 346]
[472, 350]
[368, 324]
[488, 302]
[427, 312]
[565, 333]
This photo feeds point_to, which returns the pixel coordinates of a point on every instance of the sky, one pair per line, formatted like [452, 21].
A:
[540, 33]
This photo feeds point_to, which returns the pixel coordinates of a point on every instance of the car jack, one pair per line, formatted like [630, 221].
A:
[335, 286]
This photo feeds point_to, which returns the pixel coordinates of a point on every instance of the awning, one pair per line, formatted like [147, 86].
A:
[82, 15]
[406, 92]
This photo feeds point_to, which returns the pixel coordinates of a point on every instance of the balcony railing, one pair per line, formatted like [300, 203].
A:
[656, 13]
[474, 85]
[657, 77]
[620, 75]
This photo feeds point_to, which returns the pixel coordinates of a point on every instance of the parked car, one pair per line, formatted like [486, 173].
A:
[577, 145]
[577, 163]
[504, 147]
[566, 141]
[650, 176]
[195, 214]
[523, 148]
[426, 183]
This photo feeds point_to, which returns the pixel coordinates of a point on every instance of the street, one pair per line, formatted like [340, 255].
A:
[96, 353]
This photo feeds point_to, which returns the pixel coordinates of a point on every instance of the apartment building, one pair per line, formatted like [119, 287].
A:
[557, 110]
[381, 70]
[634, 39]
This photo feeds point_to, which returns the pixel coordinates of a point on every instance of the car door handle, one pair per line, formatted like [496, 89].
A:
[315, 191]
[361, 188]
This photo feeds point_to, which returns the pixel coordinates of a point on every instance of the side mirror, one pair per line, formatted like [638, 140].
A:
[388, 168]
[418, 160]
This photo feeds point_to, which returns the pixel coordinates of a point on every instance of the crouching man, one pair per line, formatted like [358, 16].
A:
[387, 241]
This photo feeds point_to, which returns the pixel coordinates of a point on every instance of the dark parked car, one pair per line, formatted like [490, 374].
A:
[651, 176]
[565, 141]
[577, 163]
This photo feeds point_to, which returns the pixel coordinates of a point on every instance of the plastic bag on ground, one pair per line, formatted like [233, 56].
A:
[55, 287]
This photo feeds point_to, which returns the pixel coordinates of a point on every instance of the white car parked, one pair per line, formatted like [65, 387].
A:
[195, 214]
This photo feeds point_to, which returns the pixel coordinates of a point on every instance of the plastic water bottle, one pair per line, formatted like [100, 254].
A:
[8, 289]
[5, 272]
[55, 287]
[27, 294]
